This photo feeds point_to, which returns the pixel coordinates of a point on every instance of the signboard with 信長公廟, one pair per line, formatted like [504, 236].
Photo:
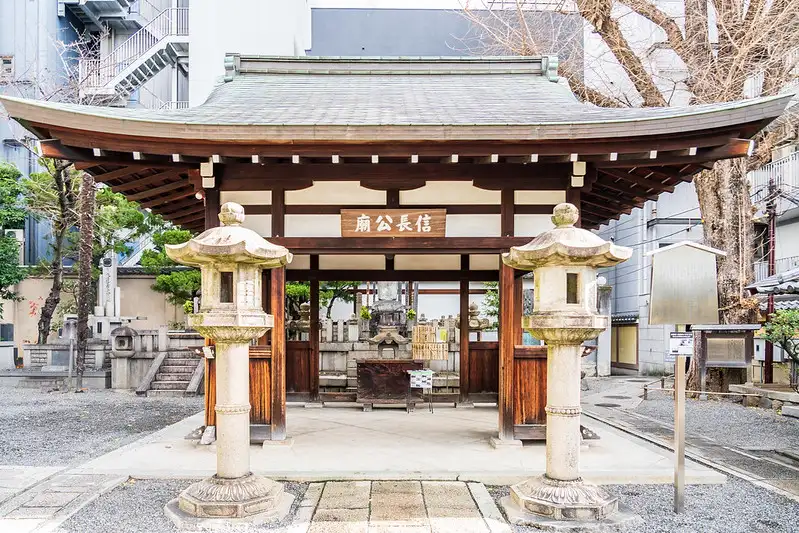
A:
[393, 223]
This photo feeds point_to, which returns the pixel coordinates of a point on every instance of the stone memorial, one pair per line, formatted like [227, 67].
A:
[231, 259]
[564, 261]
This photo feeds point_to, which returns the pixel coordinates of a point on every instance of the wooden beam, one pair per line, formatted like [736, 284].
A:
[177, 206]
[197, 207]
[638, 180]
[212, 206]
[119, 173]
[177, 195]
[573, 197]
[621, 201]
[625, 188]
[732, 149]
[391, 275]
[157, 190]
[380, 245]
[191, 218]
[506, 346]
[277, 296]
[149, 180]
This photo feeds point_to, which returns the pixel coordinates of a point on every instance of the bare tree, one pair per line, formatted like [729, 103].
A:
[716, 51]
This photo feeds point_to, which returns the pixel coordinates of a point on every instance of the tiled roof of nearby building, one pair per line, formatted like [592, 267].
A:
[624, 318]
[470, 98]
[784, 283]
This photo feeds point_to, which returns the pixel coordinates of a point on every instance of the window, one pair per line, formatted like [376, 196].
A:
[572, 288]
[226, 287]
[6, 66]
[6, 332]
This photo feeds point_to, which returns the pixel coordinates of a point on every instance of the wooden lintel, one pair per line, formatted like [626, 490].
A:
[416, 245]
[149, 180]
[392, 275]
[118, 173]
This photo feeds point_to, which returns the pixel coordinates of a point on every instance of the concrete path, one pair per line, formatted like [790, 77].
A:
[398, 506]
[385, 444]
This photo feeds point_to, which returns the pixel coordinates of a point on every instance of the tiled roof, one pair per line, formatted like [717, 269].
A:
[784, 283]
[461, 94]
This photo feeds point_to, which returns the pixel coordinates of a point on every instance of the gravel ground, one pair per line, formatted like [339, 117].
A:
[728, 422]
[137, 506]
[60, 429]
[734, 507]
[600, 385]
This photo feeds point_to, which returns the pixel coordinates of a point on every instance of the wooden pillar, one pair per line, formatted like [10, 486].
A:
[278, 213]
[573, 197]
[211, 208]
[463, 377]
[507, 341]
[507, 212]
[518, 302]
[313, 332]
[277, 296]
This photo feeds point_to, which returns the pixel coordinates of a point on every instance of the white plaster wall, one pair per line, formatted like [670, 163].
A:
[474, 226]
[216, 28]
[449, 192]
[427, 262]
[260, 224]
[335, 193]
[352, 262]
[313, 225]
[539, 197]
[484, 262]
[531, 225]
[246, 197]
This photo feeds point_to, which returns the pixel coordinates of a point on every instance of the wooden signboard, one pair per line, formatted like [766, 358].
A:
[393, 223]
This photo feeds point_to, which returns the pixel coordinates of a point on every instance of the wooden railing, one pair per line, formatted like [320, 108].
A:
[173, 21]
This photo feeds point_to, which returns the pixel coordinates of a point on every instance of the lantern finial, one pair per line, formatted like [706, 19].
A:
[231, 214]
[565, 215]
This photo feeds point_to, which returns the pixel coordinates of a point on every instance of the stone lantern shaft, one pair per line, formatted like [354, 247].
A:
[564, 262]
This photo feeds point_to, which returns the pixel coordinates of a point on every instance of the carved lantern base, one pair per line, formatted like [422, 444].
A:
[563, 500]
[250, 498]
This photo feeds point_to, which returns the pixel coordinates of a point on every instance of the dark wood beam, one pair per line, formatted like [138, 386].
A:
[639, 180]
[625, 188]
[416, 245]
[277, 307]
[391, 275]
[119, 173]
[620, 201]
[177, 195]
[149, 180]
[507, 312]
[734, 148]
[196, 208]
[157, 190]
[177, 206]
[278, 212]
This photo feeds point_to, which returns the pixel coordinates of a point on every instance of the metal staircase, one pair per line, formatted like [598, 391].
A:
[162, 42]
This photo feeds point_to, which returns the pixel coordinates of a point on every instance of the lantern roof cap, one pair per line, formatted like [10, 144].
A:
[566, 245]
[229, 243]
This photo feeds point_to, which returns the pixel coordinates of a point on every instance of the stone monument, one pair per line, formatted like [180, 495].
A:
[231, 259]
[564, 261]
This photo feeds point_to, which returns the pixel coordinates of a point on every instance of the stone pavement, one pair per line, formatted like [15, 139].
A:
[345, 443]
[399, 507]
[39, 499]
[762, 467]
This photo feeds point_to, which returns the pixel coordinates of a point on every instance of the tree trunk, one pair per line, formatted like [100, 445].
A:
[53, 299]
[726, 209]
[84, 289]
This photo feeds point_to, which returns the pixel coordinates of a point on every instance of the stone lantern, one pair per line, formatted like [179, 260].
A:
[231, 259]
[564, 261]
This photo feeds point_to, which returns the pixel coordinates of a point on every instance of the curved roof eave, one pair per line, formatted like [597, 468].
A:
[647, 122]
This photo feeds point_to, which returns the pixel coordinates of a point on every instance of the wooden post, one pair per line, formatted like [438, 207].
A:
[507, 340]
[518, 302]
[277, 296]
[211, 208]
[313, 340]
[278, 212]
[463, 376]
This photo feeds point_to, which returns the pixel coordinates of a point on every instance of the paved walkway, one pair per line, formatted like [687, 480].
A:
[39, 499]
[398, 507]
[348, 444]
[761, 467]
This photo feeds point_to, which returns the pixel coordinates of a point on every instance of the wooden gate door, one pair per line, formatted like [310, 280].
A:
[298, 371]
[483, 379]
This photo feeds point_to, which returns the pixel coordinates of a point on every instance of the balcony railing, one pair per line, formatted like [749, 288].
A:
[173, 21]
[782, 265]
[785, 173]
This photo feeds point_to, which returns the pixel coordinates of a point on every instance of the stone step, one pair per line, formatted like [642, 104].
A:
[177, 369]
[169, 385]
[168, 376]
[180, 362]
[166, 393]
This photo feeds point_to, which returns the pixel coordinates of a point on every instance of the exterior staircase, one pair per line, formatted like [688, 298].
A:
[163, 42]
[178, 373]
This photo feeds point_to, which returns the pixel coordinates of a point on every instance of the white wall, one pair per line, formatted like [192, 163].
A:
[787, 244]
[242, 26]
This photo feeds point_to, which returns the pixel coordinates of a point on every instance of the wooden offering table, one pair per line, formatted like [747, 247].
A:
[385, 381]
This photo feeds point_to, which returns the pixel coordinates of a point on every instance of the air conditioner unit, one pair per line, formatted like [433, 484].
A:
[784, 151]
[19, 236]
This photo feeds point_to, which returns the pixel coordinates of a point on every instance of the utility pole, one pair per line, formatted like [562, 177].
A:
[771, 211]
